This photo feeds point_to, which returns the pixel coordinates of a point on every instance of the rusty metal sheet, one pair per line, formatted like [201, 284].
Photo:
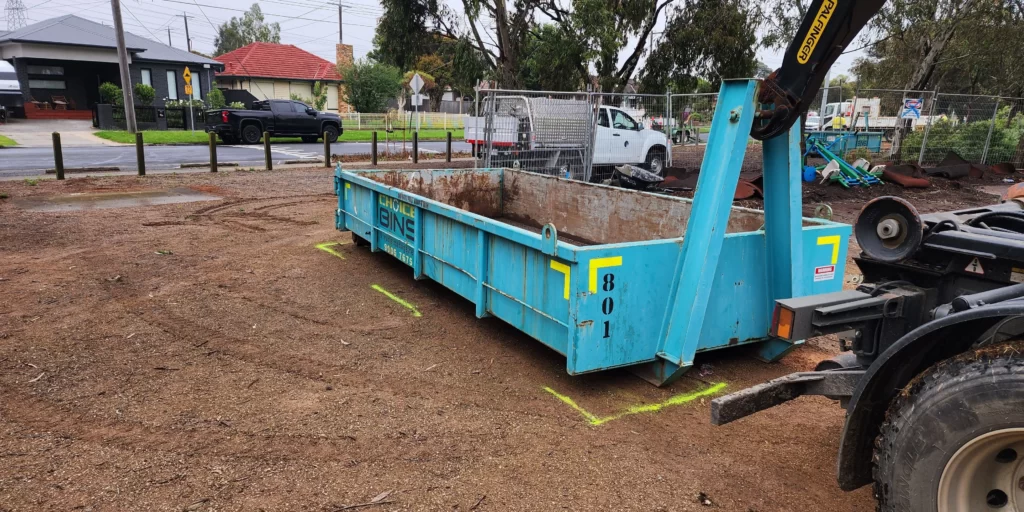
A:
[1002, 169]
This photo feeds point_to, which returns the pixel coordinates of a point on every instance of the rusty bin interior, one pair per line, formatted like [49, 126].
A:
[583, 213]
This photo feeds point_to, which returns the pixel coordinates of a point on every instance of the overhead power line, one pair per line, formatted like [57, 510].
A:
[283, 16]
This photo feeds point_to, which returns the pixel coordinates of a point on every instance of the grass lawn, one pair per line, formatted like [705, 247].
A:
[6, 142]
[188, 137]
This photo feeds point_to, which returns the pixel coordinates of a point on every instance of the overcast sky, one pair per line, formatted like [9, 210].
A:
[309, 24]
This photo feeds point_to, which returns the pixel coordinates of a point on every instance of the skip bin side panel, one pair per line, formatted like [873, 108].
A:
[622, 292]
[449, 253]
[736, 313]
[359, 203]
[526, 288]
[824, 258]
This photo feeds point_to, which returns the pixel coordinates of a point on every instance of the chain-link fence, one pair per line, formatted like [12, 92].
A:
[691, 115]
[584, 135]
[899, 126]
[961, 124]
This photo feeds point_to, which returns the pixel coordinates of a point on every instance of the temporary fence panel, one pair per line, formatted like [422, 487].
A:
[545, 132]
[1007, 141]
[958, 123]
[691, 116]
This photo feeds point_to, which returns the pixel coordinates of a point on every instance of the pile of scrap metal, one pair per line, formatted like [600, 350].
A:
[750, 184]
[952, 167]
[838, 170]
[677, 180]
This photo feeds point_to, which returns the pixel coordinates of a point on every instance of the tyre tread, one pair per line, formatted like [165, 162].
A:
[963, 367]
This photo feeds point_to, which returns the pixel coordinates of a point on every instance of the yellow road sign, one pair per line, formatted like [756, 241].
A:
[188, 90]
[187, 75]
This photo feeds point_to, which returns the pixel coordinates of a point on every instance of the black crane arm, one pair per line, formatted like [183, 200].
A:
[826, 30]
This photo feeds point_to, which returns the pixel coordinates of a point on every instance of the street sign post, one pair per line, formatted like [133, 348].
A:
[187, 75]
[416, 84]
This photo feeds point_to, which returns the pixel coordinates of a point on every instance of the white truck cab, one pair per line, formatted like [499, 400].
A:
[620, 139]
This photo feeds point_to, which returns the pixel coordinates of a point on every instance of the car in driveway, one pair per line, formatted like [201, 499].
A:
[286, 118]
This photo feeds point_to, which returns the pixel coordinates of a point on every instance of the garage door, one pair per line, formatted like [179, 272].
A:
[302, 89]
[281, 90]
[262, 89]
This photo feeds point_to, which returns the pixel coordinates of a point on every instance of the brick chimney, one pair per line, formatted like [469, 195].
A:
[344, 58]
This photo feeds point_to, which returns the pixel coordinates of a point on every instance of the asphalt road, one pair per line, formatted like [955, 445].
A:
[16, 161]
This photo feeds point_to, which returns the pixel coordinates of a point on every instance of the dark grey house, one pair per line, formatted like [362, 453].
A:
[61, 63]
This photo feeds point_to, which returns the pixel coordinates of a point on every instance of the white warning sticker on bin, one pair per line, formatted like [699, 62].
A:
[824, 273]
[974, 266]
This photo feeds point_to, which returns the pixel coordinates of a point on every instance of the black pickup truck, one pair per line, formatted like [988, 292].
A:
[278, 117]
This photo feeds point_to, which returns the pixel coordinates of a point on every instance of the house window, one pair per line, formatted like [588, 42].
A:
[147, 77]
[172, 85]
[47, 84]
[46, 70]
[197, 93]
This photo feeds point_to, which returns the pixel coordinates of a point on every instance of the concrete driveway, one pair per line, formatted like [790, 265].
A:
[38, 132]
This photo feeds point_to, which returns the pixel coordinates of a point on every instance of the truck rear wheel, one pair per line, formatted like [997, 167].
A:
[251, 134]
[953, 439]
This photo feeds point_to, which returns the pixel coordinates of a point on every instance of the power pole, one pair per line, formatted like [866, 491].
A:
[169, 43]
[341, 29]
[15, 10]
[122, 58]
[188, 39]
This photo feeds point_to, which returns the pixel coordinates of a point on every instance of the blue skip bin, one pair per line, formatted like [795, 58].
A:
[605, 276]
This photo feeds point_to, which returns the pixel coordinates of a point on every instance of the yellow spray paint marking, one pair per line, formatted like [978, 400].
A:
[834, 241]
[637, 409]
[563, 268]
[415, 312]
[347, 187]
[326, 247]
[599, 263]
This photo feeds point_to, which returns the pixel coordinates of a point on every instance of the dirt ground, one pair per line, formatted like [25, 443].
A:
[208, 356]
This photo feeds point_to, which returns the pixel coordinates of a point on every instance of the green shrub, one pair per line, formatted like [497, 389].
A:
[111, 94]
[144, 95]
[236, 104]
[216, 98]
[184, 103]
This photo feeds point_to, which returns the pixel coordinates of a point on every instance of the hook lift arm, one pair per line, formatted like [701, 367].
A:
[826, 30]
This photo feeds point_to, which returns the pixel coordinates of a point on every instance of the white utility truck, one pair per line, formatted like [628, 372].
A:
[548, 133]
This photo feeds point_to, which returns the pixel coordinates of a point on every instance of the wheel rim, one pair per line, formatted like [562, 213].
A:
[986, 473]
[657, 165]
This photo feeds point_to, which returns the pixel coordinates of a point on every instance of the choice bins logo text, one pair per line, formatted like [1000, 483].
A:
[398, 217]
[817, 28]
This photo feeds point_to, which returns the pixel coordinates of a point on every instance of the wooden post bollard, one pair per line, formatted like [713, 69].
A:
[266, 151]
[448, 148]
[327, 151]
[58, 156]
[373, 149]
[213, 152]
[140, 154]
[415, 147]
